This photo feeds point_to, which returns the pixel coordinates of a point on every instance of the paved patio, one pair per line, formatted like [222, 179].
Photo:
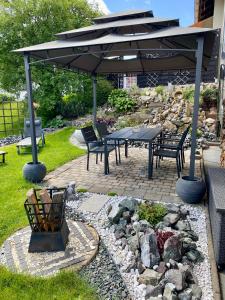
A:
[128, 178]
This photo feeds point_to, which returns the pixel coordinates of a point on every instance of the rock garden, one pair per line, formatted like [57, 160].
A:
[170, 108]
[157, 250]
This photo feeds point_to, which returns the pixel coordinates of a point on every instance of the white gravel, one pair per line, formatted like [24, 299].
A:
[122, 258]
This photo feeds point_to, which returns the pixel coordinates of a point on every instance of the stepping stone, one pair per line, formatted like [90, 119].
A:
[94, 203]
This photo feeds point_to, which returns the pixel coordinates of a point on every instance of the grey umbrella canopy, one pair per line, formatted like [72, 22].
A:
[127, 42]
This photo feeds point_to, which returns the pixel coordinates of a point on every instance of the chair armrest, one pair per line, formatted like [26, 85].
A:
[94, 143]
[167, 146]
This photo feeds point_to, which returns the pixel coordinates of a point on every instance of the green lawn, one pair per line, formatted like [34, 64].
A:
[13, 190]
[11, 116]
[64, 286]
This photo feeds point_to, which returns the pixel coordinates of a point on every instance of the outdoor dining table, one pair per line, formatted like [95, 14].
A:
[131, 134]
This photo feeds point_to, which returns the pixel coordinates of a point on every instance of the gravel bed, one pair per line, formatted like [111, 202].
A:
[121, 256]
[103, 274]
[11, 139]
[14, 139]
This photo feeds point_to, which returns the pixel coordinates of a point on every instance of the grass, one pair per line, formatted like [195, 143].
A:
[13, 188]
[64, 286]
[17, 122]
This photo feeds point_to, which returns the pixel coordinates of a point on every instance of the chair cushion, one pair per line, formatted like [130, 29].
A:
[101, 149]
[165, 153]
[169, 146]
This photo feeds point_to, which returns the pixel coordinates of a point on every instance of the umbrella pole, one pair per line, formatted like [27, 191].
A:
[94, 83]
[198, 71]
[30, 107]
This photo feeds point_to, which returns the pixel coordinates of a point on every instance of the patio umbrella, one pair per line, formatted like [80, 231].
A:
[127, 42]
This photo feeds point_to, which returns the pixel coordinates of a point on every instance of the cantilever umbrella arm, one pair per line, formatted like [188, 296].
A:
[198, 73]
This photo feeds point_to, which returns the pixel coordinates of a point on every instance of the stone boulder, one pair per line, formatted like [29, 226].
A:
[183, 225]
[129, 204]
[116, 213]
[150, 277]
[169, 126]
[185, 295]
[171, 218]
[168, 293]
[175, 277]
[149, 250]
[172, 249]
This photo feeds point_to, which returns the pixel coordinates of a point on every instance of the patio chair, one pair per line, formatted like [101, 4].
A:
[94, 145]
[26, 135]
[171, 142]
[171, 151]
[103, 131]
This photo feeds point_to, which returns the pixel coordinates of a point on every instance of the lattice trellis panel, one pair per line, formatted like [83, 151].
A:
[181, 77]
[152, 79]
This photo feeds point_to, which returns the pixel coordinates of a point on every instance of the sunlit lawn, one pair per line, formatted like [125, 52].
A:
[13, 188]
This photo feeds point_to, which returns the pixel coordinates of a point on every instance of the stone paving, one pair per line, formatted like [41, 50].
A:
[81, 248]
[129, 178]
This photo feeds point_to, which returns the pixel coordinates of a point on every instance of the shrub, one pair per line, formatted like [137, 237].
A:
[86, 124]
[120, 100]
[209, 94]
[57, 122]
[153, 213]
[134, 90]
[72, 105]
[82, 190]
[159, 90]
[128, 122]
[188, 94]
[112, 194]
[104, 88]
[6, 97]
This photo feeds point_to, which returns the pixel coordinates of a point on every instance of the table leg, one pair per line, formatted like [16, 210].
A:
[150, 163]
[126, 148]
[105, 158]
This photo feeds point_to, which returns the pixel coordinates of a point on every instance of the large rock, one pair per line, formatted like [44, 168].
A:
[196, 292]
[170, 126]
[185, 295]
[188, 244]
[173, 208]
[153, 291]
[149, 250]
[116, 213]
[144, 225]
[183, 225]
[194, 256]
[175, 276]
[171, 218]
[210, 121]
[133, 243]
[172, 249]
[186, 120]
[150, 277]
[190, 234]
[129, 204]
[168, 292]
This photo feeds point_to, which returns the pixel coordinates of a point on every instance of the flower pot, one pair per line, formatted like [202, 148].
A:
[190, 190]
[34, 172]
